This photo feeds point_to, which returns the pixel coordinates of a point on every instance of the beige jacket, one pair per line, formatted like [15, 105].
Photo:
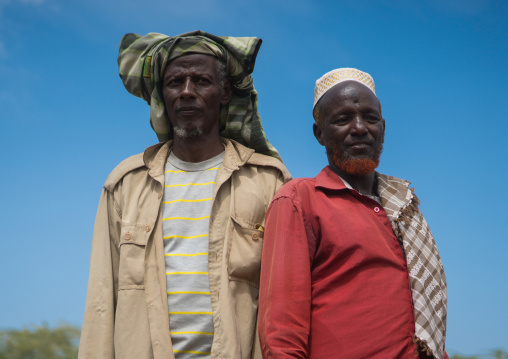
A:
[126, 313]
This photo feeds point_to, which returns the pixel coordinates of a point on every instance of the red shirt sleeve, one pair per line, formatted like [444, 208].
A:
[285, 287]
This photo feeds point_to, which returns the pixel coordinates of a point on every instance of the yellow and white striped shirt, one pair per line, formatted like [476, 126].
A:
[186, 208]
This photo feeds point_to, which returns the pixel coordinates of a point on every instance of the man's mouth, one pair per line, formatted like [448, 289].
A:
[360, 144]
[188, 110]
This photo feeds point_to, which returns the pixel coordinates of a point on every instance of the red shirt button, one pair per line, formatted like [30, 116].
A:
[376, 209]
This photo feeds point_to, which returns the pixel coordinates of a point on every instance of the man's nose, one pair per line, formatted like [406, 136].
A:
[188, 89]
[359, 126]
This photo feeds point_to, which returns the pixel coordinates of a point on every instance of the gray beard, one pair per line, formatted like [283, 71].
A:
[185, 133]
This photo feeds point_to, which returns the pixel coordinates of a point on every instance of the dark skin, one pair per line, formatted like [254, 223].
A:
[193, 97]
[351, 120]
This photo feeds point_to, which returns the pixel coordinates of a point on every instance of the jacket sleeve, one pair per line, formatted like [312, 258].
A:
[99, 320]
[285, 287]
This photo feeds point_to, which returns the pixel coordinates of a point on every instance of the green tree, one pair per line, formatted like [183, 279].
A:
[494, 354]
[499, 354]
[40, 342]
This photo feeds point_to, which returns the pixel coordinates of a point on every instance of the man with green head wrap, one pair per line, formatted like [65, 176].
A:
[178, 236]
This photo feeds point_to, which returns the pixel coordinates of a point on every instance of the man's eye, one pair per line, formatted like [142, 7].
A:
[341, 120]
[173, 82]
[203, 81]
[372, 119]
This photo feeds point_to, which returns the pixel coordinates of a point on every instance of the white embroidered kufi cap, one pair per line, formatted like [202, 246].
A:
[334, 77]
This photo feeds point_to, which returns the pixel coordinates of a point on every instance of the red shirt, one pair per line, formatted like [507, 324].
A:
[334, 280]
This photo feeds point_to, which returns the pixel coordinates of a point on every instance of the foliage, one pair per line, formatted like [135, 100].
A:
[458, 356]
[495, 354]
[40, 342]
[61, 342]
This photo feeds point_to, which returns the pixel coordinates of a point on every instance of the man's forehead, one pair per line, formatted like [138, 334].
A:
[350, 91]
[196, 62]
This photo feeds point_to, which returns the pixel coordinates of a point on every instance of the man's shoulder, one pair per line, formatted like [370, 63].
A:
[393, 180]
[396, 195]
[393, 186]
[129, 164]
[260, 160]
[296, 188]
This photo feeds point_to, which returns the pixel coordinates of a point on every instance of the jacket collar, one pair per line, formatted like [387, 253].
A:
[155, 156]
[236, 154]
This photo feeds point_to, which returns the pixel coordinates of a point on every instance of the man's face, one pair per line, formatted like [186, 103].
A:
[193, 95]
[351, 128]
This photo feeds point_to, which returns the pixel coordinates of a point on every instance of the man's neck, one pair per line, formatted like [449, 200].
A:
[361, 183]
[197, 149]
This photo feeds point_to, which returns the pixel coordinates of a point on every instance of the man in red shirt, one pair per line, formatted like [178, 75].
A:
[350, 268]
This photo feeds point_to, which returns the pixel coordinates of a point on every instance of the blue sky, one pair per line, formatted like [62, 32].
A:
[66, 121]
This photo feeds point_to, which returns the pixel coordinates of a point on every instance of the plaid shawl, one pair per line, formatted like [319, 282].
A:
[143, 59]
[426, 273]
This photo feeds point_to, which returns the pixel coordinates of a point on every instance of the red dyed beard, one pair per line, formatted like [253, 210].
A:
[358, 166]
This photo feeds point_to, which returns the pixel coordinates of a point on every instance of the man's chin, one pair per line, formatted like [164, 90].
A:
[360, 165]
[357, 166]
[188, 133]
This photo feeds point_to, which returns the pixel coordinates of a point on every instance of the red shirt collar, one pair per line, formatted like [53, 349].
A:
[329, 179]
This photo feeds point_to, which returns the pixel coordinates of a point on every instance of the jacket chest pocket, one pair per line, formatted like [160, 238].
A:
[245, 256]
[131, 271]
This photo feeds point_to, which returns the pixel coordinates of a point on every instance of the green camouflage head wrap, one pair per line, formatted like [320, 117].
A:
[143, 59]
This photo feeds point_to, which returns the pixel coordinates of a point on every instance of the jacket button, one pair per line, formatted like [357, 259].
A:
[148, 228]
[160, 195]
[255, 236]
[127, 236]
[376, 209]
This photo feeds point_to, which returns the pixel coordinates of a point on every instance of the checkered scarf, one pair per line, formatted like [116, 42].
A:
[143, 59]
[426, 273]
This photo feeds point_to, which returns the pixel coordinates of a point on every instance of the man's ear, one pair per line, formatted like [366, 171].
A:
[227, 93]
[318, 133]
